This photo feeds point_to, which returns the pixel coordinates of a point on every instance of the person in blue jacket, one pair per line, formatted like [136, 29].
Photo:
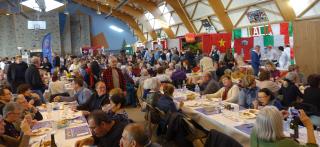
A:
[255, 59]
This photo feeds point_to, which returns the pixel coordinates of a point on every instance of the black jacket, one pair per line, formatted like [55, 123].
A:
[218, 139]
[290, 93]
[95, 103]
[16, 73]
[178, 130]
[33, 78]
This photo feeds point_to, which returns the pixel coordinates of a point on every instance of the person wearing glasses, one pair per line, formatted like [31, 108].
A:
[97, 100]
[11, 113]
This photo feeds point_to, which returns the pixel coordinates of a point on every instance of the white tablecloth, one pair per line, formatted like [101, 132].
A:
[224, 122]
[59, 134]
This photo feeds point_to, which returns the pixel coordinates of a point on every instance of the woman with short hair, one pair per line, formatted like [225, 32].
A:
[268, 130]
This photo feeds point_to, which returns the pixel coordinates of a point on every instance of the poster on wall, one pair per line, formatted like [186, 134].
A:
[257, 16]
[46, 47]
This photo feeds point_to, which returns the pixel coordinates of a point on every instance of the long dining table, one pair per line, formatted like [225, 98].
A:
[74, 128]
[229, 122]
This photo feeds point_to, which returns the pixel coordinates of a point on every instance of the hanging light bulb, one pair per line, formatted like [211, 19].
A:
[98, 11]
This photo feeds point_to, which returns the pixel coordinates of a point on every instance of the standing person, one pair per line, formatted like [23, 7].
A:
[16, 73]
[56, 60]
[113, 76]
[284, 59]
[215, 54]
[46, 65]
[33, 78]
[255, 59]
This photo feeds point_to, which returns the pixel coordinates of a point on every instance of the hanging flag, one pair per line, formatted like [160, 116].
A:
[243, 46]
[222, 41]
[284, 30]
[46, 47]
[268, 40]
[236, 34]
[258, 41]
[278, 40]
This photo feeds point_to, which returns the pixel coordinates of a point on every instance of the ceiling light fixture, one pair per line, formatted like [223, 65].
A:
[115, 28]
[45, 5]
[98, 11]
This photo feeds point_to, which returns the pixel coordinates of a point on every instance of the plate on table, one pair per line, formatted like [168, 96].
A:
[254, 111]
[247, 115]
[71, 116]
[41, 131]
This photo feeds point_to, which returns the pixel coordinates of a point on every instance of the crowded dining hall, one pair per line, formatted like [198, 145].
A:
[159, 73]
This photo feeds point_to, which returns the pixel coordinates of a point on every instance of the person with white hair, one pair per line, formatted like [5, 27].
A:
[33, 78]
[154, 94]
[112, 76]
[268, 130]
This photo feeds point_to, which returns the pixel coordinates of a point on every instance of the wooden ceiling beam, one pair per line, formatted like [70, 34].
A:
[178, 7]
[308, 8]
[286, 10]
[124, 17]
[153, 9]
[222, 15]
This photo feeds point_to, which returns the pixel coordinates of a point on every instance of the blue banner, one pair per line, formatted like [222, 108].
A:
[46, 47]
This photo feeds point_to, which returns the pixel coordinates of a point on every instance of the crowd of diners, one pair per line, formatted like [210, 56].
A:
[105, 84]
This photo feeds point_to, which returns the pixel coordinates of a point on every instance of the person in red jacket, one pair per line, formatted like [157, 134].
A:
[113, 76]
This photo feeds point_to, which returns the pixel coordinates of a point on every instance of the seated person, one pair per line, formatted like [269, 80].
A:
[6, 141]
[266, 98]
[208, 84]
[82, 94]
[228, 93]
[178, 76]
[57, 87]
[268, 130]
[5, 97]
[274, 72]
[312, 94]
[27, 108]
[161, 76]
[290, 92]
[154, 93]
[265, 82]
[12, 113]
[165, 102]
[248, 92]
[105, 130]
[97, 100]
[116, 108]
[32, 98]
[136, 135]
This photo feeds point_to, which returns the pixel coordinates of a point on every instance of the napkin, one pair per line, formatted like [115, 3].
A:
[203, 111]
[245, 128]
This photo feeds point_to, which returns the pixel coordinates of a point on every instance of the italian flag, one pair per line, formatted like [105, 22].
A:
[274, 35]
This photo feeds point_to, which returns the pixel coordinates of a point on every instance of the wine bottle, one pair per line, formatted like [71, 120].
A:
[53, 142]
[294, 128]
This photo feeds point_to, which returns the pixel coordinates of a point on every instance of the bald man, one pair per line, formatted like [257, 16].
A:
[135, 135]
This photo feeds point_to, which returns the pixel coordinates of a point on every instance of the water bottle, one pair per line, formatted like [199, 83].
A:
[197, 89]
[184, 86]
